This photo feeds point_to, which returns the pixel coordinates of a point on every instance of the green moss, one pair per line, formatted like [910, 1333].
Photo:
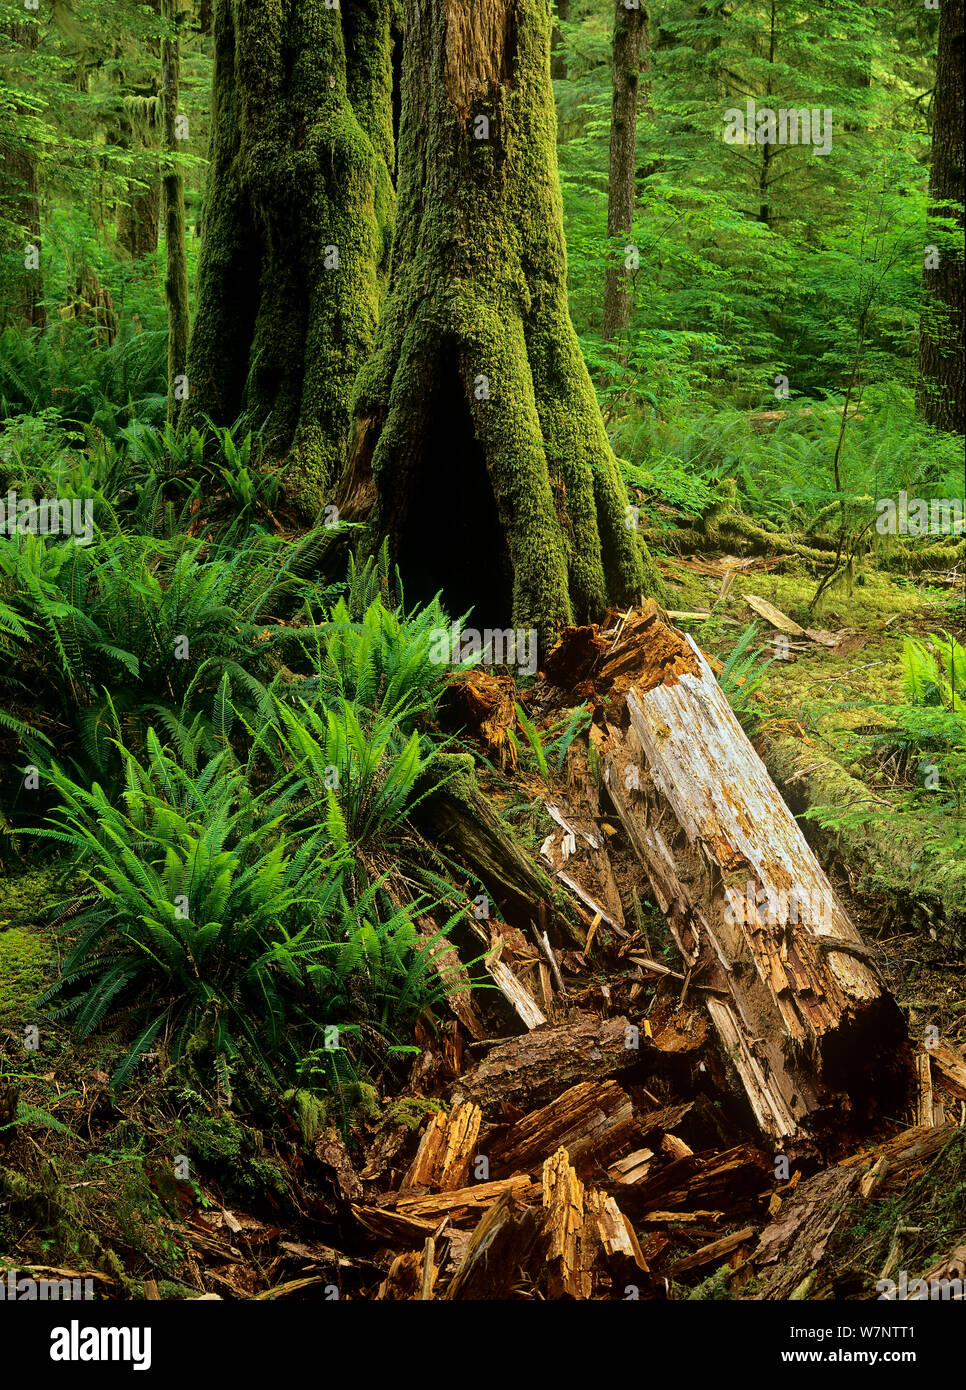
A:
[873, 597]
[301, 157]
[479, 289]
[25, 966]
[310, 1113]
[233, 1155]
[364, 1100]
[412, 1111]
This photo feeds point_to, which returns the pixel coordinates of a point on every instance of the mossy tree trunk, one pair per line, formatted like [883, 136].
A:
[140, 212]
[296, 227]
[22, 284]
[175, 258]
[942, 365]
[629, 47]
[491, 468]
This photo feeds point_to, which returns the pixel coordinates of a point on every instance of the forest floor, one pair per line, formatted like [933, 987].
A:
[160, 1192]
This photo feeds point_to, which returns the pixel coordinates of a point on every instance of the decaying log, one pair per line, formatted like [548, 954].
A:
[445, 1152]
[710, 1254]
[464, 1199]
[405, 1277]
[470, 830]
[505, 1243]
[583, 1226]
[924, 1099]
[950, 1064]
[951, 1267]
[394, 1226]
[532, 1070]
[715, 1181]
[632, 1168]
[592, 1121]
[787, 981]
[791, 1248]
[455, 979]
[903, 1153]
[577, 852]
[616, 1233]
[572, 1248]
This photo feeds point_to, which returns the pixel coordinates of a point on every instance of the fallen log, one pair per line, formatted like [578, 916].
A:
[505, 1243]
[592, 1121]
[445, 1152]
[787, 981]
[532, 1070]
[460, 819]
[790, 1250]
[480, 1195]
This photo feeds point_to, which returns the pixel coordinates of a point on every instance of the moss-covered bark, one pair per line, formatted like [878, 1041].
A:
[494, 477]
[296, 226]
[21, 280]
[175, 258]
[941, 396]
[628, 49]
[139, 213]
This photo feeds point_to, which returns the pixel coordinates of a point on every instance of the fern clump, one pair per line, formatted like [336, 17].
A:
[218, 929]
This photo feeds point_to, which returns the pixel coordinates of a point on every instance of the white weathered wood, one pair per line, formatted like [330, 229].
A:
[788, 982]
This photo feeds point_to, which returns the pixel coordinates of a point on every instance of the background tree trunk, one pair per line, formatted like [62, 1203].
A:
[558, 55]
[20, 206]
[176, 264]
[941, 398]
[139, 215]
[630, 45]
[476, 414]
[296, 227]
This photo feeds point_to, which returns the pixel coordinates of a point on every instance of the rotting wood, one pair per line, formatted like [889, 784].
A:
[480, 1194]
[470, 830]
[591, 1120]
[711, 1253]
[505, 1242]
[774, 616]
[793, 1246]
[632, 1168]
[445, 1152]
[616, 1233]
[805, 1021]
[924, 1098]
[709, 1181]
[950, 1063]
[570, 1254]
[532, 1070]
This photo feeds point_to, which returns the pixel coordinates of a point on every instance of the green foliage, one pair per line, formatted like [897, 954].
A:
[934, 673]
[217, 923]
[130, 630]
[84, 380]
[356, 768]
[743, 673]
[383, 660]
[532, 735]
[782, 470]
